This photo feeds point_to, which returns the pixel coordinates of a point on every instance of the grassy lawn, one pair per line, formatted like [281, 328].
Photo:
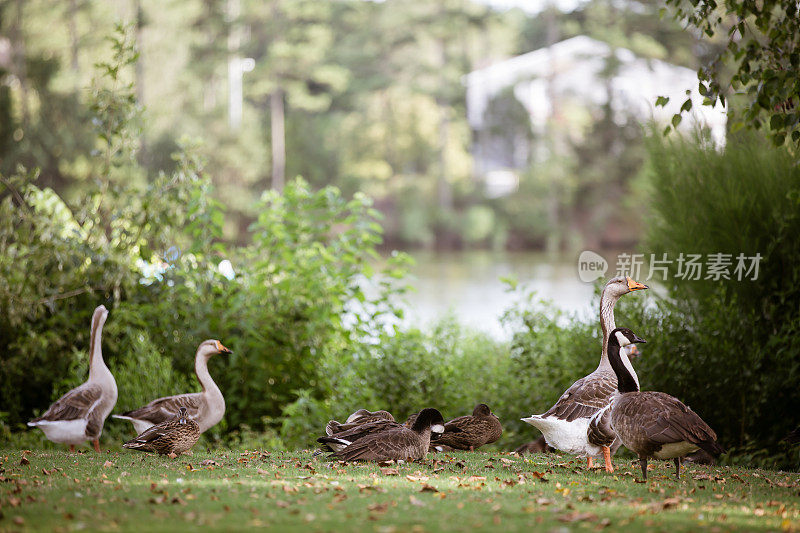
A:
[60, 491]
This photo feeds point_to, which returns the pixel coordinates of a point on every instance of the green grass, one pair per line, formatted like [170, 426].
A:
[56, 490]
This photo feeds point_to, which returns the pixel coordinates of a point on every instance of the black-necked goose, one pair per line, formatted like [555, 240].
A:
[653, 424]
[471, 431]
[565, 425]
[207, 407]
[79, 415]
[172, 437]
[398, 443]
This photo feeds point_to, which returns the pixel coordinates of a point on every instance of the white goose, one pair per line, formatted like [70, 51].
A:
[565, 425]
[78, 416]
[206, 408]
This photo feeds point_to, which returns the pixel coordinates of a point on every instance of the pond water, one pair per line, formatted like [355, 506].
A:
[468, 285]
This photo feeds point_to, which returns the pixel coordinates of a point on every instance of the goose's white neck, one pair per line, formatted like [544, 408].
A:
[201, 370]
[97, 368]
[607, 302]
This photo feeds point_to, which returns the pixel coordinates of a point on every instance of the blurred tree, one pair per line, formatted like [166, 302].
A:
[290, 40]
[762, 51]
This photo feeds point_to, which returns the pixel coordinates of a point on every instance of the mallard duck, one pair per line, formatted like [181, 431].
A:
[565, 425]
[358, 418]
[207, 407]
[653, 424]
[172, 437]
[363, 415]
[79, 415]
[471, 431]
[341, 435]
[535, 446]
[398, 443]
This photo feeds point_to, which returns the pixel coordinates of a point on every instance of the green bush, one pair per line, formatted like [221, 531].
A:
[728, 348]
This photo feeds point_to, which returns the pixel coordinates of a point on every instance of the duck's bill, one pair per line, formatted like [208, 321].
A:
[634, 285]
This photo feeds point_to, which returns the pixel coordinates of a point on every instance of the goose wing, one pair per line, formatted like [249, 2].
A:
[584, 398]
[76, 404]
[164, 409]
[396, 443]
[666, 420]
[464, 432]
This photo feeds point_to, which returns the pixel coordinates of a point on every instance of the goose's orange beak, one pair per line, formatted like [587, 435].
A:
[635, 285]
[222, 349]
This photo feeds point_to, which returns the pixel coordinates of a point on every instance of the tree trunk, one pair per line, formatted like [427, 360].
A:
[73, 37]
[278, 139]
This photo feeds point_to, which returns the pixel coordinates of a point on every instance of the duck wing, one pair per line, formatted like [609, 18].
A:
[584, 398]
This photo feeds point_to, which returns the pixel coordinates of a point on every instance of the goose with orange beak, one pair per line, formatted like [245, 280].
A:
[206, 408]
[565, 425]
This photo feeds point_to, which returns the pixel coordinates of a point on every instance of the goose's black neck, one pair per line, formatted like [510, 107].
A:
[625, 381]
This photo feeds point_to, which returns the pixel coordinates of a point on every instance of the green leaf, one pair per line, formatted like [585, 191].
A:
[676, 119]
[661, 101]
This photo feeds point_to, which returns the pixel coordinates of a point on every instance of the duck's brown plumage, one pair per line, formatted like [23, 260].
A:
[471, 431]
[398, 443]
[535, 446]
[357, 419]
[171, 437]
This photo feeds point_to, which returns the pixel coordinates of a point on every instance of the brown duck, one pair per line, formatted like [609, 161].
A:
[398, 443]
[358, 418]
[172, 437]
[341, 435]
[471, 431]
[653, 424]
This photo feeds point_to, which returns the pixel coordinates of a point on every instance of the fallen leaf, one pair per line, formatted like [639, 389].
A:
[390, 472]
[428, 488]
[416, 501]
[24, 461]
[107, 464]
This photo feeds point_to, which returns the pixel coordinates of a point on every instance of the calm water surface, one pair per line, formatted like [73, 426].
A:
[467, 284]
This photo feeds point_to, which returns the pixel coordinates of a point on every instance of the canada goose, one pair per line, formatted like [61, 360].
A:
[207, 407]
[653, 424]
[79, 415]
[565, 425]
[398, 443]
[172, 437]
[471, 431]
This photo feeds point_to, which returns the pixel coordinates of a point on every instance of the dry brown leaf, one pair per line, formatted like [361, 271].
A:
[428, 488]
[107, 464]
[577, 516]
[390, 472]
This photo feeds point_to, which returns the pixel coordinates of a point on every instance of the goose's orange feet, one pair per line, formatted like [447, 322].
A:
[72, 447]
[589, 463]
[607, 457]
[96, 444]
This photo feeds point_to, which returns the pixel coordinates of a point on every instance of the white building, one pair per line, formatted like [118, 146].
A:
[573, 70]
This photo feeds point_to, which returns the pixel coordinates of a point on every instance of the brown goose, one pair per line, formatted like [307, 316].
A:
[172, 437]
[206, 407]
[398, 443]
[79, 415]
[565, 425]
[653, 424]
[471, 431]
